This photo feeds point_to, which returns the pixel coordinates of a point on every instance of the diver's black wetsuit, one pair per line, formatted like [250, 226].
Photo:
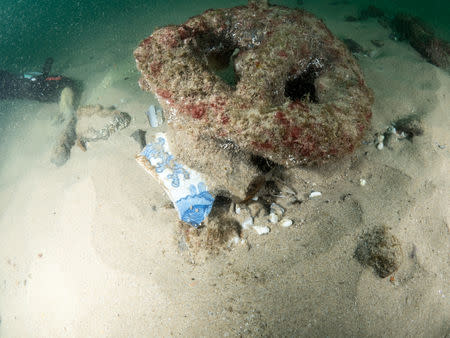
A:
[34, 86]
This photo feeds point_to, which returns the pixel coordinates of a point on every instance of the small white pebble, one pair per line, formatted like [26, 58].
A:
[255, 198]
[286, 223]
[315, 194]
[273, 218]
[247, 223]
[362, 182]
[380, 146]
[237, 210]
[261, 230]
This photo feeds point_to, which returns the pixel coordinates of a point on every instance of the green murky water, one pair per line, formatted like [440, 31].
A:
[32, 30]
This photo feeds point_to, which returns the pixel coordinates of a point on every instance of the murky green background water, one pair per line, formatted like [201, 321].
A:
[32, 30]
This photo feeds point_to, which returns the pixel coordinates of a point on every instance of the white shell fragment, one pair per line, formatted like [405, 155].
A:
[273, 218]
[362, 182]
[247, 223]
[380, 146]
[261, 230]
[315, 194]
[286, 222]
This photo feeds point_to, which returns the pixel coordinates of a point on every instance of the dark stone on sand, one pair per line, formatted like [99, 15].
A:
[380, 250]
[423, 39]
[377, 43]
[351, 18]
[411, 126]
[353, 46]
[371, 12]
[139, 137]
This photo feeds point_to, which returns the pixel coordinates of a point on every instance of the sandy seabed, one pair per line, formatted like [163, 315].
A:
[90, 249]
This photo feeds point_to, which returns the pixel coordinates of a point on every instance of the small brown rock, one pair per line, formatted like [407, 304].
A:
[380, 250]
[377, 43]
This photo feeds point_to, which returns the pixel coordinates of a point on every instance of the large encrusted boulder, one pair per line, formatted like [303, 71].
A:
[297, 96]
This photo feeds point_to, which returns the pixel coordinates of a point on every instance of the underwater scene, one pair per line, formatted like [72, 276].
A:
[240, 168]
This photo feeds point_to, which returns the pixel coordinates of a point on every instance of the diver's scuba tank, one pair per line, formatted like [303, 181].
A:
[34, 76]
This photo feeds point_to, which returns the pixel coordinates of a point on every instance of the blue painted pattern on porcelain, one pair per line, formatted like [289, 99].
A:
[188, 193]
[166, 161]
[195, 207]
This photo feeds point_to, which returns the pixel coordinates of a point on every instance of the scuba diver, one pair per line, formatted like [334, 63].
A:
[43, 87]
[40, 86]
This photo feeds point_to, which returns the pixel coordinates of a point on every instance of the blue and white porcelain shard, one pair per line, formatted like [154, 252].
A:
[184, 186]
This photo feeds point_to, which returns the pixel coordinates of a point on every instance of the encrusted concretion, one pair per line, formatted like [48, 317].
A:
[298, 97]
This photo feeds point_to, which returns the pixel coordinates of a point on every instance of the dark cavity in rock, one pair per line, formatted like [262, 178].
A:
[301, 87]
[219, 53]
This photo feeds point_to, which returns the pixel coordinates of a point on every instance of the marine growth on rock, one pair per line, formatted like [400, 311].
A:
[273, 81]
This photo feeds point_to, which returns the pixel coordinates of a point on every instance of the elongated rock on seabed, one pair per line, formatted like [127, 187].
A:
[61, 149]
[297, 96]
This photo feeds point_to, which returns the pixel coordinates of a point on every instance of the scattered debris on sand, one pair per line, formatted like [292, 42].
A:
[380, 250]
[94, 123]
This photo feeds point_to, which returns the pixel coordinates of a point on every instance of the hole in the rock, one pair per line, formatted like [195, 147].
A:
[219, 53]
[301, 86]
[227, 75]
[262, 163]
